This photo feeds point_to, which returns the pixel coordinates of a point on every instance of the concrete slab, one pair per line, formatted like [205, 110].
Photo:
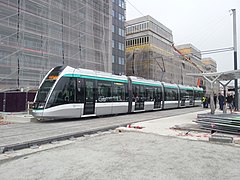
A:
[18, 118]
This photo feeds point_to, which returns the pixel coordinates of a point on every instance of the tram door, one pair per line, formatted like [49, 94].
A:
[89, 101]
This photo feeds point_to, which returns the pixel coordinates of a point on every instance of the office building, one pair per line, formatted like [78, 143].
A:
[118, 36]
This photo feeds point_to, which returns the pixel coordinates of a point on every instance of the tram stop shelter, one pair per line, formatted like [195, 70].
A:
[224, 78]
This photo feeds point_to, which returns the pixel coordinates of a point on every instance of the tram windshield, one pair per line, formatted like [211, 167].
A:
[46, 87]
[44, 90]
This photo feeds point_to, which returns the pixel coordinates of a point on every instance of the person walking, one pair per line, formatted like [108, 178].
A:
[220, 101]
[230, 102]
[204, 101]
[215, 100]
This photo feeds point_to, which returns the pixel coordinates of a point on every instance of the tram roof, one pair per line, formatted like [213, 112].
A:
[221, 76]
[91, 74]
[143, 81]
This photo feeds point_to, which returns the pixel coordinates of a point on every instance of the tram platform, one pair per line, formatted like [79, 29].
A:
[186, 126]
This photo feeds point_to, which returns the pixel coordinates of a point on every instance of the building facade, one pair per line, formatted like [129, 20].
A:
[148, 45]
[210, 64]
[150, 53]
[37, 35]
[118, 36]
[207, 65]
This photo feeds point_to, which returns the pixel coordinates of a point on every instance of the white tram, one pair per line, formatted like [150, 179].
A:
[67, 92]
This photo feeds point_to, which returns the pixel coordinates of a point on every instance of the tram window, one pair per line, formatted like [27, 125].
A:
[184, 94]
[198, 95]
[63, 93]
[171, 94]
[135, 92]
[149, 94]
[190, 94]
[157, 94]
[79, 91]
[138, 93]
[104, 91]
[119, 92]
[142, 93]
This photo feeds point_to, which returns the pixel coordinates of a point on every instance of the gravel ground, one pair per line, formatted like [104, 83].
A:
[127, 155]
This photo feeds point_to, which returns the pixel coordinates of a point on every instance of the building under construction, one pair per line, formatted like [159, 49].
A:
[37, 35]
[150, 53]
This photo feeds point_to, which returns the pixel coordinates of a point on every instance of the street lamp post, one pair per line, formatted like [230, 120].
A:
[235, 56]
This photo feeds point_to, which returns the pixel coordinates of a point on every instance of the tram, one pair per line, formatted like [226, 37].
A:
[67, 92]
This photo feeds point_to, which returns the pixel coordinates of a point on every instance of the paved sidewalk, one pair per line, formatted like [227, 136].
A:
[16, 117]
[181, 126]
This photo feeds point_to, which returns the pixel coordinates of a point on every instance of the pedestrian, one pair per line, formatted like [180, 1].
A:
[230, 102]
[207, 101]
[215, 100]
[220, 101]
[204, 101]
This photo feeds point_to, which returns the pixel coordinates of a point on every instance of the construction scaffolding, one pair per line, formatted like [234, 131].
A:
[150, 62]
[150, 54]
[37, 35]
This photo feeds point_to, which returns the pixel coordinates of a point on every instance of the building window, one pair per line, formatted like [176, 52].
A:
[113, 44]
[121, 32]
[121, 61]
[113, 59]
[121, 17]
[113, 28]
[121, 3]
[121, 46]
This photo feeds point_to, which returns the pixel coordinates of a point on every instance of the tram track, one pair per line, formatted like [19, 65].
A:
[90, 121]
[29, 134]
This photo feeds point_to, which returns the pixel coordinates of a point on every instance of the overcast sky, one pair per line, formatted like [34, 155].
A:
[207, 24]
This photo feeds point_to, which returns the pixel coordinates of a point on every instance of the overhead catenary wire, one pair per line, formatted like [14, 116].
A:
[212, 51]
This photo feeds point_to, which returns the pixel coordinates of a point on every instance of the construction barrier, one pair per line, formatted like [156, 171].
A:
[15, 101]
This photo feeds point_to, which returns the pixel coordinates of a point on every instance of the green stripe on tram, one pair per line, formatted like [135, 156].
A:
[198, 90]
[146, 84]
[169, 86]
[95, 78]
[186, 88]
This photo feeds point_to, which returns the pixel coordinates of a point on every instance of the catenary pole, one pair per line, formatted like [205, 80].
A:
[235, 56]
